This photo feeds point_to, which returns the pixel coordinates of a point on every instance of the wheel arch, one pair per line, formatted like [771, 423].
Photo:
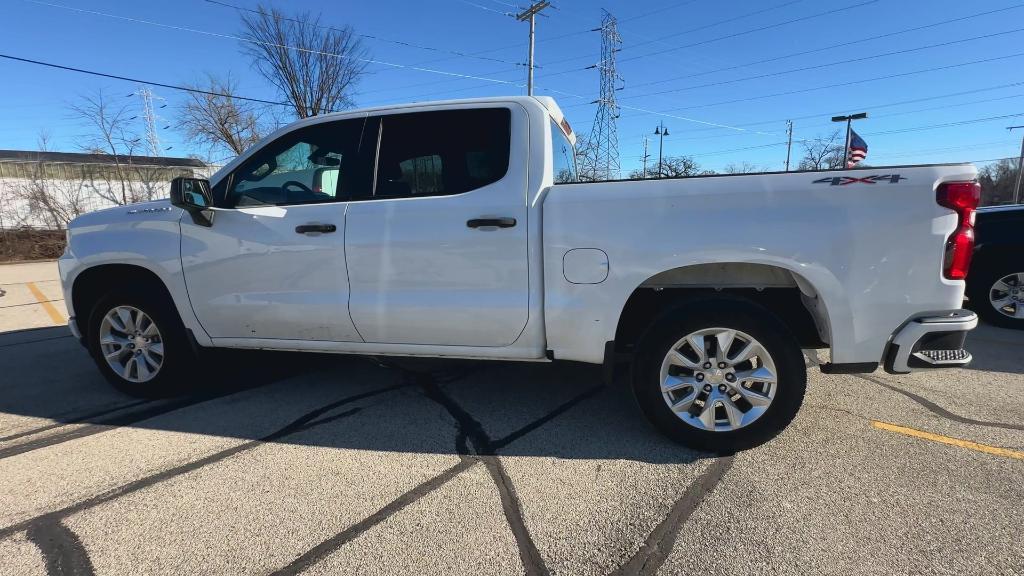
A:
[92, 283]
[793, 298]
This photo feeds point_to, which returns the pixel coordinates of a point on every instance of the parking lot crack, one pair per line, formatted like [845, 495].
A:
[470, 452]
[939, 410]
[471, 429]
[61, 548]
[305, 422]
[655, 550]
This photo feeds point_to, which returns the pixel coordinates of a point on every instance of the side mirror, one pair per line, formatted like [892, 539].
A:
[193, 195]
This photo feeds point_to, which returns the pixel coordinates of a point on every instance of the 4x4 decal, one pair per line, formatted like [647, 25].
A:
[873, 179]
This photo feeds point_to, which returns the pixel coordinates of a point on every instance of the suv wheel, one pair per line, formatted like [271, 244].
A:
[139, 344]
[997, 295]
[719, 375]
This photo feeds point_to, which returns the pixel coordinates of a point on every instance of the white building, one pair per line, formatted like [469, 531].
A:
[47, 189]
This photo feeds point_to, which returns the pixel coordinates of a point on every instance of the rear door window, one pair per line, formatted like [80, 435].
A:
[443, 152]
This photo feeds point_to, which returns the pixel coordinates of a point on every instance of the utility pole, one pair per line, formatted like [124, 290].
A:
[661, 131]
[789, 141]
[646, 155]
[531, 15]
[849, 120]
[1020, 167]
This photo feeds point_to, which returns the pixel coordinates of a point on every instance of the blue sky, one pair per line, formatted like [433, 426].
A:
[691, 64]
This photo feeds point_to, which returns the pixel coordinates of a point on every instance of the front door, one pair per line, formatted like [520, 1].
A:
[439, 254]
[272, 265]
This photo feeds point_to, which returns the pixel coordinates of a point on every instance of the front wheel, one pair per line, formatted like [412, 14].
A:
[719, 375]
[139, 344]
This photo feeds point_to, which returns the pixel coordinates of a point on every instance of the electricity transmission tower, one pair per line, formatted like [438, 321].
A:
[604, 137]
[150, 117]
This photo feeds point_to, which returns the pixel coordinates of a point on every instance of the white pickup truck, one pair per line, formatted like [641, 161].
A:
[459, 229]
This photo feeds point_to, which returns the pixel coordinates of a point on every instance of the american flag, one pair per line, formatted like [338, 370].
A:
[858, 150]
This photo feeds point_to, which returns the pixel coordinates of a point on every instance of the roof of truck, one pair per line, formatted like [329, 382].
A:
[545, 101]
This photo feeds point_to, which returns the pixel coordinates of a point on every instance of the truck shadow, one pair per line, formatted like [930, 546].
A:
[52, 394]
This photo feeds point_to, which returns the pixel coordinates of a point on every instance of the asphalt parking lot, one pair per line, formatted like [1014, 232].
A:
[314, 464]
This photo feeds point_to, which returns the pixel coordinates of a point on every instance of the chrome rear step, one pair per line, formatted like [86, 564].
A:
[931, 341]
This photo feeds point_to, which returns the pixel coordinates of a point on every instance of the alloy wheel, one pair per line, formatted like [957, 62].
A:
[718, 379]
[1007, 295]
[131, 343]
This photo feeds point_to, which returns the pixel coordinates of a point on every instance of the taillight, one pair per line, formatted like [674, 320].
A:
[963, 198]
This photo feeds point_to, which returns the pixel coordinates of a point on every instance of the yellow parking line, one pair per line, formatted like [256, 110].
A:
[994, 450]
[55, 315]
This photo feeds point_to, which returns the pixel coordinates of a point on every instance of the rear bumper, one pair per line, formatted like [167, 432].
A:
[932, 341]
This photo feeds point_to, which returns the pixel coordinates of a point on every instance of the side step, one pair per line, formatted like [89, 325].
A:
[937, 358]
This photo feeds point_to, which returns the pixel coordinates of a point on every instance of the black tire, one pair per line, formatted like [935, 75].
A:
[980, 282]
[720, 312]
[173, 377]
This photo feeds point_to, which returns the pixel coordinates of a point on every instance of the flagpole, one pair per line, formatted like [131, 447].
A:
[846, 149]
[849, 129]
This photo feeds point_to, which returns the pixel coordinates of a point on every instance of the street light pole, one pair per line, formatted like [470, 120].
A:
[789, 141]
[644, 177]
[661, 131]
[849, 120]
[1020, 167]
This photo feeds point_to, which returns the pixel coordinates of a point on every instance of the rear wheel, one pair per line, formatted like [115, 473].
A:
[719, 375]
[139, 344]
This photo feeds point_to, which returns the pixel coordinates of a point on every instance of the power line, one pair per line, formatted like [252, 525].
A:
[828, 64]
[657, 11]
[271, 44]
[876, 116]
[688, 31]
[890, 105]
[758, 29]
[486, 8]
[865, 134]
[138, 81]
[372, 37]
[729, 36]
[831, 47]
[849, 83]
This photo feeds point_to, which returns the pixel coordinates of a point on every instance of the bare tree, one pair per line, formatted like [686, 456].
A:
[111, 133]
[998, 182]
[314, 67]
[223, 123]
[743, 168]
[52, 195]
[673, 167]
[824, 153]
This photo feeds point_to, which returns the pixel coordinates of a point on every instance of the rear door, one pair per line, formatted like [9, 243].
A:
[438, 255]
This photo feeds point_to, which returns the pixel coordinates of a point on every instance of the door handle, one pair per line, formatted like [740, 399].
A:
[324, 228]
[496, 222]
